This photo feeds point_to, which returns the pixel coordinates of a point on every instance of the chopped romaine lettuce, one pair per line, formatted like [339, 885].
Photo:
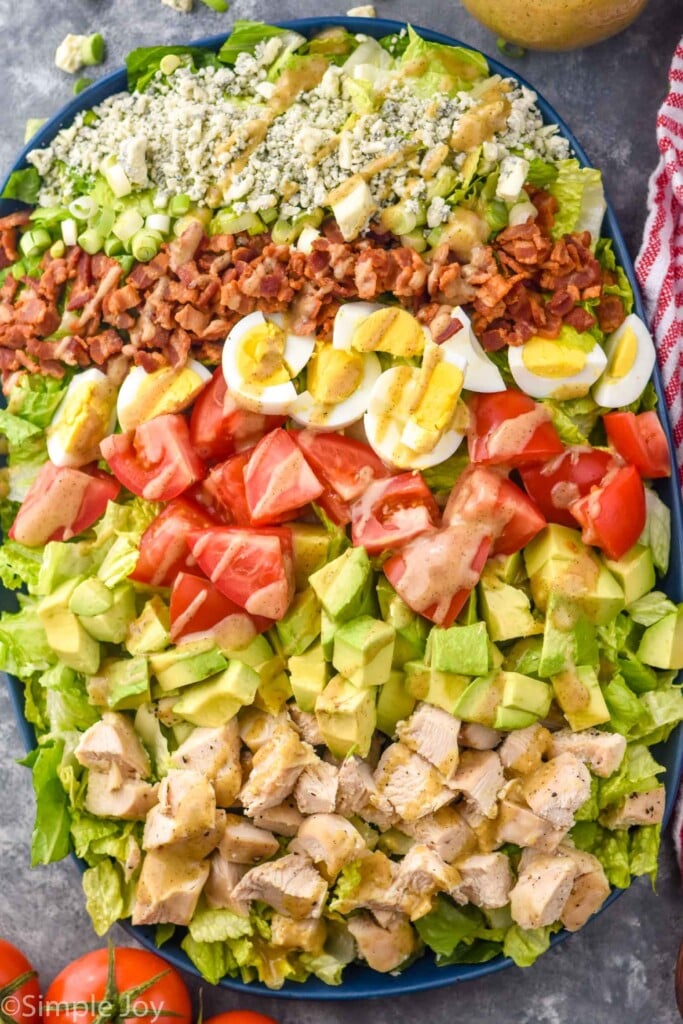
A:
[107, 896]
[581, 200]
[245, 37]
[525, 945]
[23, 185]
[432, 68]
[50, 840]
[657, 532]
[143, 63]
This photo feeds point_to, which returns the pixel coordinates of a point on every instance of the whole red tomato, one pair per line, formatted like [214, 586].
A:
[240, 1017]
[118, 985]
[19, 988]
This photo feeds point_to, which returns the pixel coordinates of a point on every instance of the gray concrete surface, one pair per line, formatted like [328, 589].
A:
[620, 969]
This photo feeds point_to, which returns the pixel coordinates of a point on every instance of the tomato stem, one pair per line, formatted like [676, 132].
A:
[9, 989]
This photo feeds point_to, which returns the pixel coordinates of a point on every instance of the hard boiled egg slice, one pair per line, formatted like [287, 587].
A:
[630, 361]
[339, 385]
[481, 374]
[145, 395]
[411, 415]
[551, 368]
[347, 318]
[85, 416]
[260, 360]
[373, 327]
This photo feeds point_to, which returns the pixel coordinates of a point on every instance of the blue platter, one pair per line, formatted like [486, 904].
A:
[359, 982]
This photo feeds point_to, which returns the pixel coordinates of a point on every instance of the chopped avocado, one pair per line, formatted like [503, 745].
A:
[272, 695]
[479, 702]
[112, 626]
[240, 681]
[470, 613]
[394, 843]
[445, 689]
[506, 610]
[346, 717]
[461, 649]
[411, 629]
[552, 543]
[64, 632]
[148, 728]
[512, 718]
[121, 684]
[662, 643]
[309, 674]
[300, 627]
[507, 568]
[186, 664]
[150, 632]
[207, 704]
[578, 693]
[417, 677]
[394, 703]
[524, 656]
[634, 572]
[363, 651]
[569, 638]
[328, 627]
[344, 585]
[606, 600]
[91, 597]
[524, 693]
[311, 544]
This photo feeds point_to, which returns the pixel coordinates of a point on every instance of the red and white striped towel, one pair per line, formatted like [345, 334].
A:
[659, 264]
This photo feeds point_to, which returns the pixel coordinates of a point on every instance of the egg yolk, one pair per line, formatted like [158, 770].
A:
[333, 375]
[433, 402]
[624, 355]
[261, 356]
[391, 330]
[84, 420]
[546, 358]
[163, 391]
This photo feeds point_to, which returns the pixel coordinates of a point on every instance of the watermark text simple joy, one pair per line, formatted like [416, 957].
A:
[124, 1008]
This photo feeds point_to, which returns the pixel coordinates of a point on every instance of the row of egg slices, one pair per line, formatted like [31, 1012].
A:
[617, 374]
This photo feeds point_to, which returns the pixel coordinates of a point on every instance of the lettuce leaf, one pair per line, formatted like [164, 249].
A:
[540, 173]
[107, 896]
[581, 200]
[611, 849]
[657, 532]
[663, 712]
[19, 565]
[625, 709]
[213, 959]
[23, 645]
[525, 945]
[118, 533]
[143, 63]
[442, 68]
[245, 37]
[50, 840]
[67, 704]
[23, 185]
[446, 926]
[644, 851]
[35, 398]
[650, 608]
[213, 925]
[637, 774]
[575, 418]
[323, 966]
[622, 286]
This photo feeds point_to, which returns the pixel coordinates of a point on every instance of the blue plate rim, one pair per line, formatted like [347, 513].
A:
[355, 985]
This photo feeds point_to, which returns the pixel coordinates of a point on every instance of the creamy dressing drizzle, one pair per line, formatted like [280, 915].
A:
[440, 564]
[512, 436]
[61, 506]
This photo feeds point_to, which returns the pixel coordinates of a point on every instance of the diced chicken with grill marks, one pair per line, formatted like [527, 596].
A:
[185, 817]
[486, 880]
[542, 889]
[517, 823]
[479, 778]
[637, 809]
[330, 841]
[316, 789]
[223, 877]
[445, 831]
[589, 891]
[412, 785]
[523, 750]
[216, 754]
[603, 752]
[384, 949]
[306, 724]
[433, 734]
[168, 889]
[557, 789]
[291, 885]
[113, 741]
[276, 766]
[357, 793]
[376, 875]
[244, 843]
[228, 783]
[256, 727]
[283, 820]
[478, 737]
[421, 874]
[129, 799]
[307, 935]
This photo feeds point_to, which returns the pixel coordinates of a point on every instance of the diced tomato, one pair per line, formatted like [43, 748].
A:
[435, 573]
[61, 503]
[391, 512]
[219, 427]
[164, 551]
[612, 516]
[345, 465]
[156, 460]
[223, 491]
[483, 495]
[641, 441]
[197, 606]
[510, 429]
[277, 479]
[334, 508]
[254, 568]
[557, 483]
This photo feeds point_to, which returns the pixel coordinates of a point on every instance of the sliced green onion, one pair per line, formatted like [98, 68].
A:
[145, 245]
[116, 177]
[80, 84]
[33, 242]
[179, 205]
[69, 231]
[57, 249]
[510, 49]
[91, 241]
[83, 207]
[170, 63]
[33, 125]
[90, 118]
[92, 49]
[105, 222]
[113, 246]
[127, 224]
[158, 222]
[217, 5]
[126, 262]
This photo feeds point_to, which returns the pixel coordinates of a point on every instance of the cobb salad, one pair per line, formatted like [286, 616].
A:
[329, 511]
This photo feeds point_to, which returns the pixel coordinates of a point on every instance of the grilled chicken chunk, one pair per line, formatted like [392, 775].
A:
[113, 742]
[412, 785]
[357, 793]
[216, 754]
[243, 843]
[308, 934]
[517, 823]
[185, 817]
[384, 949]
[603, 752]
[223, 877]
[129, 799]
[377, 873]
[168, 888]
[330, 841]
[316, 788]
[589, 891]
[445, 831]
[291, 885]
[522, 751]
[543, 887]
[638, 809]
[433, 734]
[478, 737]
[276, 766]
[283, 820]
[479, 778]
[256, 726]
[306, 724]
[486, 880]
[557, 789]
[421, 874]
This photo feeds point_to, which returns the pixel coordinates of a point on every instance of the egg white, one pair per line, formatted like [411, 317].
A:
[572, 386]
[310, 413]
[84, 417]
[347, 318]
[480, 374]
[612, 392]
[178, 389]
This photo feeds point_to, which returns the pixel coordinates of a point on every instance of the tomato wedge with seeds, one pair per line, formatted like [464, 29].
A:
[557, 483]
[156, 461]
[641, 441]
[612, 516]
[163, 547]
[278, 480]
[347, 466]
[483, 495]
[392, 512]
[510, 429]
[198, 606]
[61, 503]
[253, 567]
[223, 491]
[219, 427]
